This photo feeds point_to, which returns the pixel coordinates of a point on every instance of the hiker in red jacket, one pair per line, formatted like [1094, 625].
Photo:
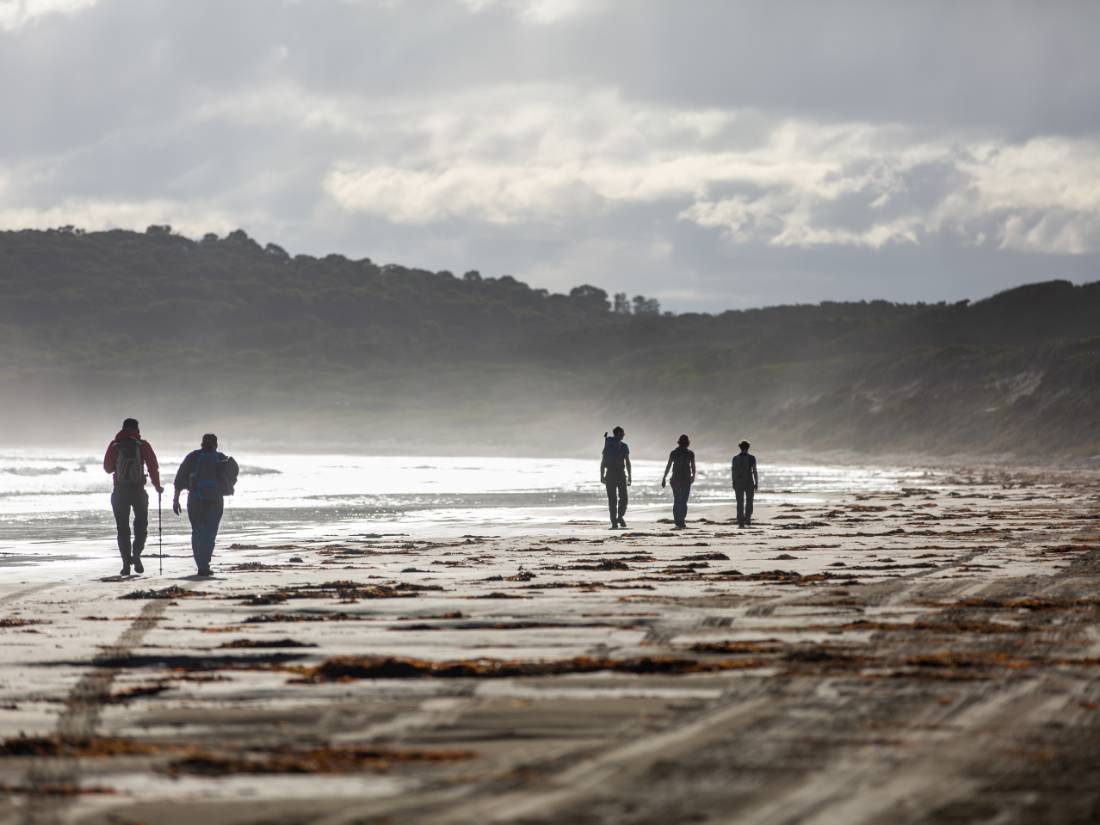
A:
[127, 458]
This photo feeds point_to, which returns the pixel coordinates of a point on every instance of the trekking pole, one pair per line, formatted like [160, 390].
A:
[160, 535]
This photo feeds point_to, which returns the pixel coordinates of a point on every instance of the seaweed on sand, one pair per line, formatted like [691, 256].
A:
[265, 618]
[741, 647]
[16, 622]
[315, 760]
[599, 564]
[344, 668]
[56, 789]
[172, 592]
[264, 643]
[72, 746]
[345, 590]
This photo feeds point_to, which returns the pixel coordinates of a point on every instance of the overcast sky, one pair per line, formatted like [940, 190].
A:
[713, 154]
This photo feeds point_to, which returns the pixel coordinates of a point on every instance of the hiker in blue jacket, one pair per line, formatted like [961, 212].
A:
[204, 474]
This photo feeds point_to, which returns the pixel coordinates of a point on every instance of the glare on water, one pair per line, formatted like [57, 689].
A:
[54, 496]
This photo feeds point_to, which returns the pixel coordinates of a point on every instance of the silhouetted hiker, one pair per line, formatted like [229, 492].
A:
[745, 480]
[615, 474]
[682, 463]
[208, 476]
[127, 458]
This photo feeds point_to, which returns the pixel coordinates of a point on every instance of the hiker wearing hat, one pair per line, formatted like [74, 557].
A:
[208, 476]
[682, 463]
[745, 481]
[127, 458]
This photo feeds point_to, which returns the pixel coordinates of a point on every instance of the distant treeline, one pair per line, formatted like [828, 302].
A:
[386, 357]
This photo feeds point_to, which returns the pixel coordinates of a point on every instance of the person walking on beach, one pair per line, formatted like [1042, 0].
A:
[127, 458]
[745, 481]
[682, 463]
[615, 474]
[208, 476]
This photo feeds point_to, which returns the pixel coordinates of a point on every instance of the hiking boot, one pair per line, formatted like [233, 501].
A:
[139, 568]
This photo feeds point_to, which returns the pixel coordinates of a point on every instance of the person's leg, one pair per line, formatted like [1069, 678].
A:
[611, 503]
[622, 502]
[195, 515]
[739, 492]
[120, 505]
[678, 504]
[140, 502]
[684, 503]
[213, 521]
[749, 494]
[210, 514]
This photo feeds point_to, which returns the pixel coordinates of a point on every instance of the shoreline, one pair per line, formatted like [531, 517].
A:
[921, 654]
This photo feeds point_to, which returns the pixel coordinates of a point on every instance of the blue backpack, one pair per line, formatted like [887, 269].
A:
[612, 451]
[205, 485]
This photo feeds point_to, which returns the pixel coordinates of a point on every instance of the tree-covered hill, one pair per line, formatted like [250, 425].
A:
[299, 351]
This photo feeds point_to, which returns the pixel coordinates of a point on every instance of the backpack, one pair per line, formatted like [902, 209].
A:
[214, 476]
[204, 484]
[129, 462]
[227, 475]
[614, 454]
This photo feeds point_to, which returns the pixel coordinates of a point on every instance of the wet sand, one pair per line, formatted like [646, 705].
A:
[929, 655]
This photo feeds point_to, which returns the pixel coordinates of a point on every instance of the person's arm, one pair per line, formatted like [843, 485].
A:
[755, 477]
[151, 465]
[183, 476]
[110, 458]
[603, 467]
[629, 471]
[668, 467]
[733, 478]
[692, 457]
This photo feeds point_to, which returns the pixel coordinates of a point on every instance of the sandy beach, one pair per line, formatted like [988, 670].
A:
[929, 654]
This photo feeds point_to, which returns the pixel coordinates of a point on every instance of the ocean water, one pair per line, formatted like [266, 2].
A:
[53, 496]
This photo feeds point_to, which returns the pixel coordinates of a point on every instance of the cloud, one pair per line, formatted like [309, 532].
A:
[708, 152]
[796, 182]
[190, 218]
[17, 13]
[541, 12]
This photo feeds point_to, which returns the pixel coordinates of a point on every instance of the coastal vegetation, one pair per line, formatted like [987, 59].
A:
[296, 350]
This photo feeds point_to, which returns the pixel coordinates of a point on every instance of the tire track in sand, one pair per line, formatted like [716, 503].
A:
[16, 595]
[79, 719]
